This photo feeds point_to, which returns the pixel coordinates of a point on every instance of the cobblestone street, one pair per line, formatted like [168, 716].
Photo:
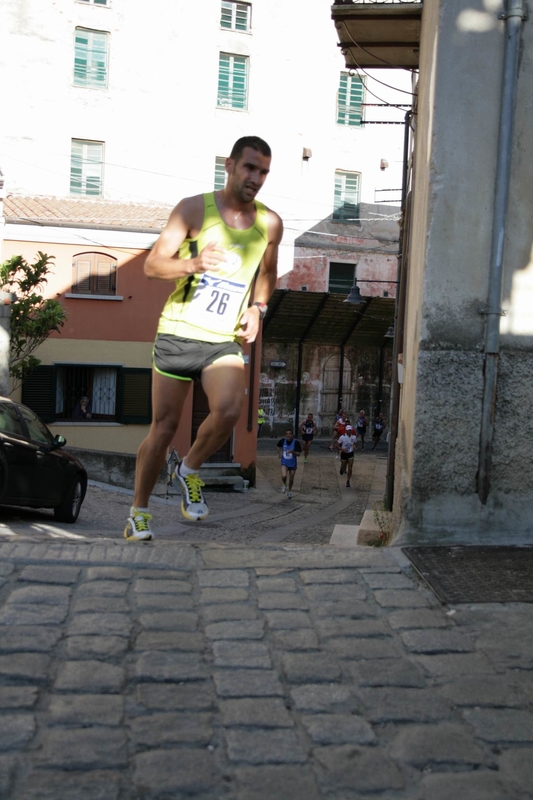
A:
[296, 673]
[246, 659]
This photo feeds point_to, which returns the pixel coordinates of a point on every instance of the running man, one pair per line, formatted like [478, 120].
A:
[213, 247]
[379, 427]
[339, 429]
[360, 426]
[339, 418]
[289, 449]
[308, 429]
[346, 446]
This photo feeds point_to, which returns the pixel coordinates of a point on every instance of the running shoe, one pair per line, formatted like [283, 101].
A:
[305, 461]
[138, 526]
[283, 489]
[193, 505]
[330, 447]
[347, 484]
[289, 495]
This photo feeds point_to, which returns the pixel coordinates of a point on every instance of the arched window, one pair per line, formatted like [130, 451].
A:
[94, 274]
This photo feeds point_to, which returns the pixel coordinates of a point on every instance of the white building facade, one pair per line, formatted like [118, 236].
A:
[94, 106]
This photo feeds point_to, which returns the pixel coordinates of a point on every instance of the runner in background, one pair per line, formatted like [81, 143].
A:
[308, 429]
[379, 427]
[289, 450]
[347, 445]
[360, 426]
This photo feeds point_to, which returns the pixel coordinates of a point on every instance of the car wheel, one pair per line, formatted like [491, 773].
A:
[69, 508]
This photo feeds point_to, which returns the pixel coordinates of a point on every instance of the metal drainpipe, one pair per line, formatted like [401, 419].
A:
[514, 16]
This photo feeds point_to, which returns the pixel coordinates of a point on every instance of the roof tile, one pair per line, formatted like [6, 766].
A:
[78, 211]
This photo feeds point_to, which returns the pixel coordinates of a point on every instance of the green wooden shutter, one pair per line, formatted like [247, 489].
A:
[38, 392]
[135, 396]
[349, 100]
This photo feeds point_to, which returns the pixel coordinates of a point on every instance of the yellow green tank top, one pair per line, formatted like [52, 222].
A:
[208, 307]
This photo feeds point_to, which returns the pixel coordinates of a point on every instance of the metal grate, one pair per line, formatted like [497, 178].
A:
[476, 574]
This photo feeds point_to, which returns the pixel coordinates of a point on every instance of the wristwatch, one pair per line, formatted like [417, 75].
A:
[263, 308]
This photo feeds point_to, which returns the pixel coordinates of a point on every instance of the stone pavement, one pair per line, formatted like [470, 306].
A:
[132, 672]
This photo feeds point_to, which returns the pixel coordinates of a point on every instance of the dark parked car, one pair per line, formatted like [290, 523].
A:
[34, 470]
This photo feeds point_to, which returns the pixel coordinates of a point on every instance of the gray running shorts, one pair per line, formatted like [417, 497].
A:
[184, 359]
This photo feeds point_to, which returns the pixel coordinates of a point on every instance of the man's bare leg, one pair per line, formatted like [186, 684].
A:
[168, 398]
[223, 383]
[349, 473]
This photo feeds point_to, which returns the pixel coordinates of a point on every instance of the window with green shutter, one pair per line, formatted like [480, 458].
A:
[96, 2]
[135, 397]
[220, 173]
[346, 197]
[235, 16]
[349, 100]
[232, 81]
[91, 59]
[341, 277]
[86, 167]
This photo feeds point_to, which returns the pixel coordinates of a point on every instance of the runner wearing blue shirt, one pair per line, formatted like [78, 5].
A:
[289, 449]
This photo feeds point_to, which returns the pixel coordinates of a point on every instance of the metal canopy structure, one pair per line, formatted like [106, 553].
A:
[324, 318]
[378, 34]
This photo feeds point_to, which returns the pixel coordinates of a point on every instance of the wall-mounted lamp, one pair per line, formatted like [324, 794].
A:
[307, 153]
[390, 332]
[383, 164]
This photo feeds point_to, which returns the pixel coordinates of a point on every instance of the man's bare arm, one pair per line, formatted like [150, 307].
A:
[163, 262]
[265, 282]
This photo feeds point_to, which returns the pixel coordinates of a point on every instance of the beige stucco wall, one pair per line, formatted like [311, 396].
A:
[454, 175]
[110, 436]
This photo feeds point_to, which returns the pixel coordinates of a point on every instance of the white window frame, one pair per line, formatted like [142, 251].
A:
[229, 99]
[350, 111]
[87, 158]
[96, 59]
[221, 176]
[235, 13]
[346, 200]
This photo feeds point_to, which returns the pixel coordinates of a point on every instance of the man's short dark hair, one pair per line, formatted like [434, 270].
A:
[250, 141]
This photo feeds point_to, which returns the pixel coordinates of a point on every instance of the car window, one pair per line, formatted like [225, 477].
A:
[37, 430]
[9, 420]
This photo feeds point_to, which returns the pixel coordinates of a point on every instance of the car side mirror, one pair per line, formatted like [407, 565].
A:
[59, 441]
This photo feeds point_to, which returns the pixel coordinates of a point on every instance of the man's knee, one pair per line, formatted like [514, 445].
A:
[163, 430]
[227, 415]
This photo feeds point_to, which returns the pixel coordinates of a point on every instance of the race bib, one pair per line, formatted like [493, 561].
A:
[217, 302]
